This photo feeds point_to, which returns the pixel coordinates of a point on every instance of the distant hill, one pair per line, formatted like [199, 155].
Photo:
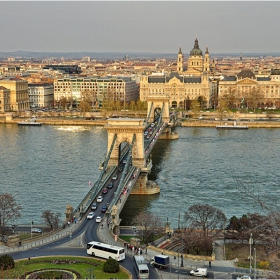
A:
[114, 55]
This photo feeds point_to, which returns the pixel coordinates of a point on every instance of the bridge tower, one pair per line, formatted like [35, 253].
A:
[160, 105]
[157, 105]
[126, 130]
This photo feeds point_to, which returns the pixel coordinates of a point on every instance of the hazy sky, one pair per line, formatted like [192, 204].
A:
[140, 26]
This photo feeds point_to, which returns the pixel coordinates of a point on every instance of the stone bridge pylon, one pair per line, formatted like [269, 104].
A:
[158, 106]
[126, 130]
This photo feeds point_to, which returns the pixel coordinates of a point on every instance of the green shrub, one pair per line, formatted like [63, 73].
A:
[111, 266]
[6, 262]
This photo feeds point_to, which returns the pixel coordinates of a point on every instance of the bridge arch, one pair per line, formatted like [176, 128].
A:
[158, 102]
[125, 130]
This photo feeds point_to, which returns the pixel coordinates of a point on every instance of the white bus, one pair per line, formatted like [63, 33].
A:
[105, 251]
[141, 267]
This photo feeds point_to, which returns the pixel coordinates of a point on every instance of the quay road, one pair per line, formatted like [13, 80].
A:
[72, 242]
[73, 239]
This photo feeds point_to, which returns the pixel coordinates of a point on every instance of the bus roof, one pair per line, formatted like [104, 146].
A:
[140, 259]
[104, 245]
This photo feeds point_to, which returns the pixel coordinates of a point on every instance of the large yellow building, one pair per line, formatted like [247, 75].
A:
[252, 90]
[19, 100]
[192, 83]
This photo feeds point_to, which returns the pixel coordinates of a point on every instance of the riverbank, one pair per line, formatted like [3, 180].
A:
[208, 123]
[180, 122]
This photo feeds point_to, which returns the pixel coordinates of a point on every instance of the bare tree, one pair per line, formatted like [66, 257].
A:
[195, 107]
[222, 108]
[149, 225]
[208, 219]
[9, 210]
[51, 219]
[269, 236]
[254, 98]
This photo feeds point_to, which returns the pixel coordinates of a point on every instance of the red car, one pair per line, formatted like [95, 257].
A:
[105, 190]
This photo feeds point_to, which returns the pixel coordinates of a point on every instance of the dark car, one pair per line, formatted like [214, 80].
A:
[104, 208]
[120, 169]
[110, 185]
[105, 190]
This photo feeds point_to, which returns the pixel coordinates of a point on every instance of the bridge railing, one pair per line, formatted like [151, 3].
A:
[84, 204]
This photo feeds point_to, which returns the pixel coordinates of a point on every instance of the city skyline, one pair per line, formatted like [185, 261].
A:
[139, 26]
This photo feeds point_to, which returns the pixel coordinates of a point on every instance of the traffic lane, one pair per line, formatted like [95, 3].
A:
[92, 225]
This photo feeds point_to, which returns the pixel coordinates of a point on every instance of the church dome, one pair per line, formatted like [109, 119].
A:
[196, 50]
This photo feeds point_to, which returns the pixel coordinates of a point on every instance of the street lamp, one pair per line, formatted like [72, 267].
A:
[31, 228]
[255, 263]
[250, 243]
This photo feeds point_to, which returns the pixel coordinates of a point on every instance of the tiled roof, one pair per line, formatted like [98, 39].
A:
[166, 79]
[229, 78]
[263, 79]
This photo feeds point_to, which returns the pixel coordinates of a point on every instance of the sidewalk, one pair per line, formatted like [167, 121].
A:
[67, 231]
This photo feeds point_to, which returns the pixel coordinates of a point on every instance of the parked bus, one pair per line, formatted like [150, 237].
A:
[141, 267]
[105, 251]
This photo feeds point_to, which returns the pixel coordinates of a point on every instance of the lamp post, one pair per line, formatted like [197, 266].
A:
[250, 243]
[31, 228]
[255, 251]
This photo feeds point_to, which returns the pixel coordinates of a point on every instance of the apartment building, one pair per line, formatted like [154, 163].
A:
[19, 100]
[41, 95]
[123, 89]
[4, 99]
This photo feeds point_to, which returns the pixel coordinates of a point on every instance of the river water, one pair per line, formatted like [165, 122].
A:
[49, 167]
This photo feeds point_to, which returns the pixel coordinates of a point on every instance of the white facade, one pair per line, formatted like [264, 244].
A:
[41, 95]
[123, 89]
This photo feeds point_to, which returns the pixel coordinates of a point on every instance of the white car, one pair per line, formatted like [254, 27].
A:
[199, 272]
[36, 230]
[99, 198]
[115, 177]
[98, 219]
[90, 215]
[93, 206]
[247, 277]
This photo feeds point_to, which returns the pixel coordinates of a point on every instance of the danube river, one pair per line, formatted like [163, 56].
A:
[49, 167]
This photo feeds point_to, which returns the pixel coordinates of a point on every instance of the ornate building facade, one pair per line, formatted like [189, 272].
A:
[192, 83]
[18, 88]
[247, 86]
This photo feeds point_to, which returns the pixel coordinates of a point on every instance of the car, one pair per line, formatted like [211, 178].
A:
[124, 161]
[115, 177]
[120, 169]
[99, 198]
[105, 190]
[110, 185]
[244, 277]
[104, 208]
[199, 272]
[90, 215]
[36, 230]
[93, 206]
[98, 219]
